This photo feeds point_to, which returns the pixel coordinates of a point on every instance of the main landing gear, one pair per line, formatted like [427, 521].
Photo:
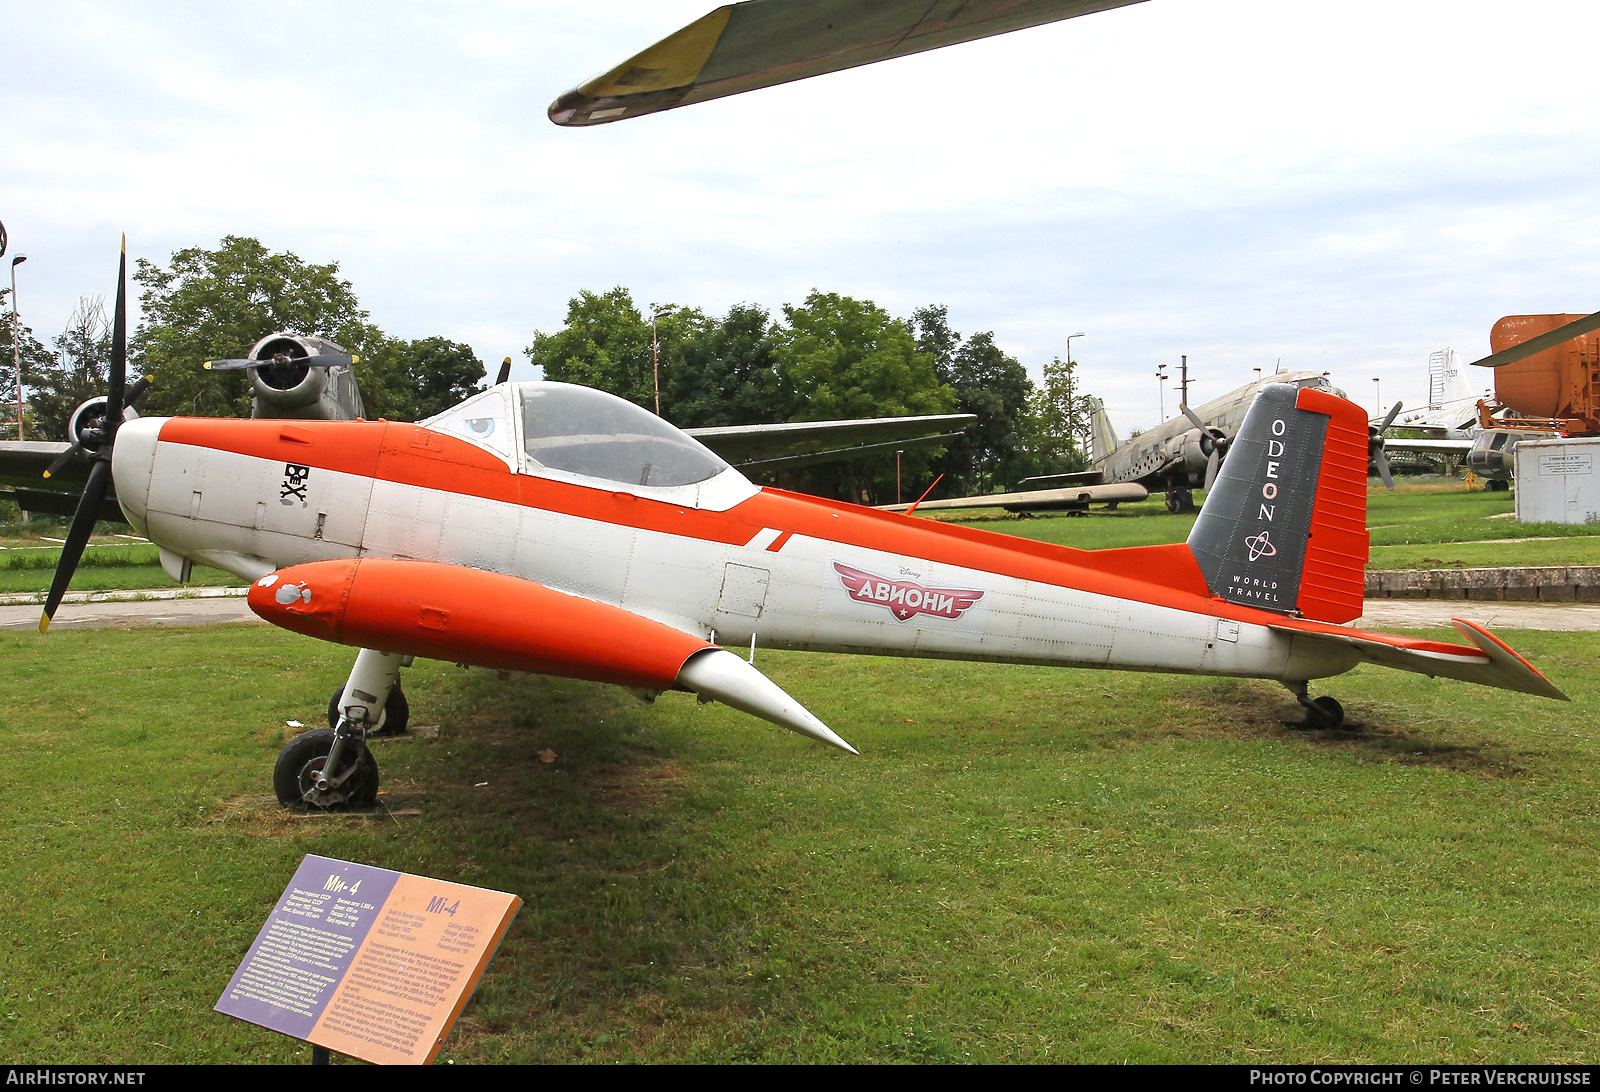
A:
[1322, 713]
[1180, 501]
[332, 767]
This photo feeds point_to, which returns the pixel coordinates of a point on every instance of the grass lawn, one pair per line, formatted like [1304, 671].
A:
[1024, 864]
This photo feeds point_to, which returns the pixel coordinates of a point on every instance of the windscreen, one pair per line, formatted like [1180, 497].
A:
[584, 431]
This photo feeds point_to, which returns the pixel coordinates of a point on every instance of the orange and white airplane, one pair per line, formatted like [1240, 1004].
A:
[557, 529]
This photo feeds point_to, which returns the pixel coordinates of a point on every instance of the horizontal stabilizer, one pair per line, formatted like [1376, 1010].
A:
[1489, 661]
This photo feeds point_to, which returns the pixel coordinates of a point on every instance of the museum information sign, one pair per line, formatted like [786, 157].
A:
[371, 963]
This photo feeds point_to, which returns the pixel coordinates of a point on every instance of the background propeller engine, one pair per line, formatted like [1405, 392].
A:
[1213, 441]
[1375, 453]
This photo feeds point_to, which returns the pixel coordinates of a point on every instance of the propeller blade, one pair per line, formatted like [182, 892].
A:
[94, 491]
[119, 347]
[63, 459]
[1394, 411]
[1383, 470]
[136, 391]
[1194, 419]
[1539, 344]
[316, 360]
[1213, 464]
[77, 538]
[505, 372]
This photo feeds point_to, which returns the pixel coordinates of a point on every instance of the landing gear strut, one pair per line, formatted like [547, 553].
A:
[1321, 713]
[1180, 501]
[334, 768]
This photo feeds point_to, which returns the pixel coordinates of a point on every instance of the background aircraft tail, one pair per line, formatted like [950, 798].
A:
[1447, 380]
[1102, 437]
[1284, 527]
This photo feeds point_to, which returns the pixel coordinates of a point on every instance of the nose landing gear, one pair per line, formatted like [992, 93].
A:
[333, 767]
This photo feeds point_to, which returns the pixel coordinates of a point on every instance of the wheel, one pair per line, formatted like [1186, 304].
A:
[396, 712]
[1497, 485]
[302, 760]
[1325, 712]
[1180, 501]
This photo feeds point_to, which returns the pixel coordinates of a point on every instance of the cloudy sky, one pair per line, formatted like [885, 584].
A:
[1337, 186]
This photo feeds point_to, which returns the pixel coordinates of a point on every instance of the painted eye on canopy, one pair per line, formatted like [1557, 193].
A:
[481, 427]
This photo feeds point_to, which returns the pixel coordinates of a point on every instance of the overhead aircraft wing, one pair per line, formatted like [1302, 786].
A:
[22, 467]
[760, 43]
[803, 443]
[1073, 498]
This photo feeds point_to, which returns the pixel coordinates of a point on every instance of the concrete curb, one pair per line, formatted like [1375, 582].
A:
[1546, 584]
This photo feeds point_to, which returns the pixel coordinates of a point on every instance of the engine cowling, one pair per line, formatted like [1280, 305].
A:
[282, 386]
[83, 427]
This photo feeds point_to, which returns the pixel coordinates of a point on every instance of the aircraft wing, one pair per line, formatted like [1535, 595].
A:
[1077, 477]
[22, 467]
[1071, 499]
[1431, 445]
[760, 43]
[803, 443]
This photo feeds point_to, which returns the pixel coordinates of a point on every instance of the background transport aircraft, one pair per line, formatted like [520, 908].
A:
[557, 529]
[1180, 454]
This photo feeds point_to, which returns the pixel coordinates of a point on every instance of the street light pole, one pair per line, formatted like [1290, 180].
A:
[1377, 394]
[16, 333]
[1069, 344]
[1161, 385]
[655, 358]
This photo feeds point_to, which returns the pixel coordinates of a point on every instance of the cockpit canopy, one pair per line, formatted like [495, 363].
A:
[579, 431]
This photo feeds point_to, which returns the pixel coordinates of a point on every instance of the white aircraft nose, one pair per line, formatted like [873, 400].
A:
[133, 461]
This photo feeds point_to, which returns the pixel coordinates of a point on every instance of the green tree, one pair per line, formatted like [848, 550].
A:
[1057, 422]
[78, 370]
[605, 344]
[845, 358]
[724, 372]
[438, 373]
[217, 303]
[35, 359]
[988, 383]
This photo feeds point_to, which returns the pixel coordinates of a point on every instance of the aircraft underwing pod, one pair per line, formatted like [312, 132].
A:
[463, 615]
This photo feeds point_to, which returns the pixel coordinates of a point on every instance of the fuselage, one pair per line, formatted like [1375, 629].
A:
[717, 556]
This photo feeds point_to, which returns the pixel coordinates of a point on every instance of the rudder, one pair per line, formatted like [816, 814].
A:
[1284, 527]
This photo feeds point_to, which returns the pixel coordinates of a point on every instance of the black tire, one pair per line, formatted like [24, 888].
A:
[396, 711]
[300, 762]
[1497, 485]
[1325, 712]
[1180, 501]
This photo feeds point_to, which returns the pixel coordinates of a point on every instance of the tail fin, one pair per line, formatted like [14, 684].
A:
[1284, 527]
[1102, 437]
[1447, 380]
